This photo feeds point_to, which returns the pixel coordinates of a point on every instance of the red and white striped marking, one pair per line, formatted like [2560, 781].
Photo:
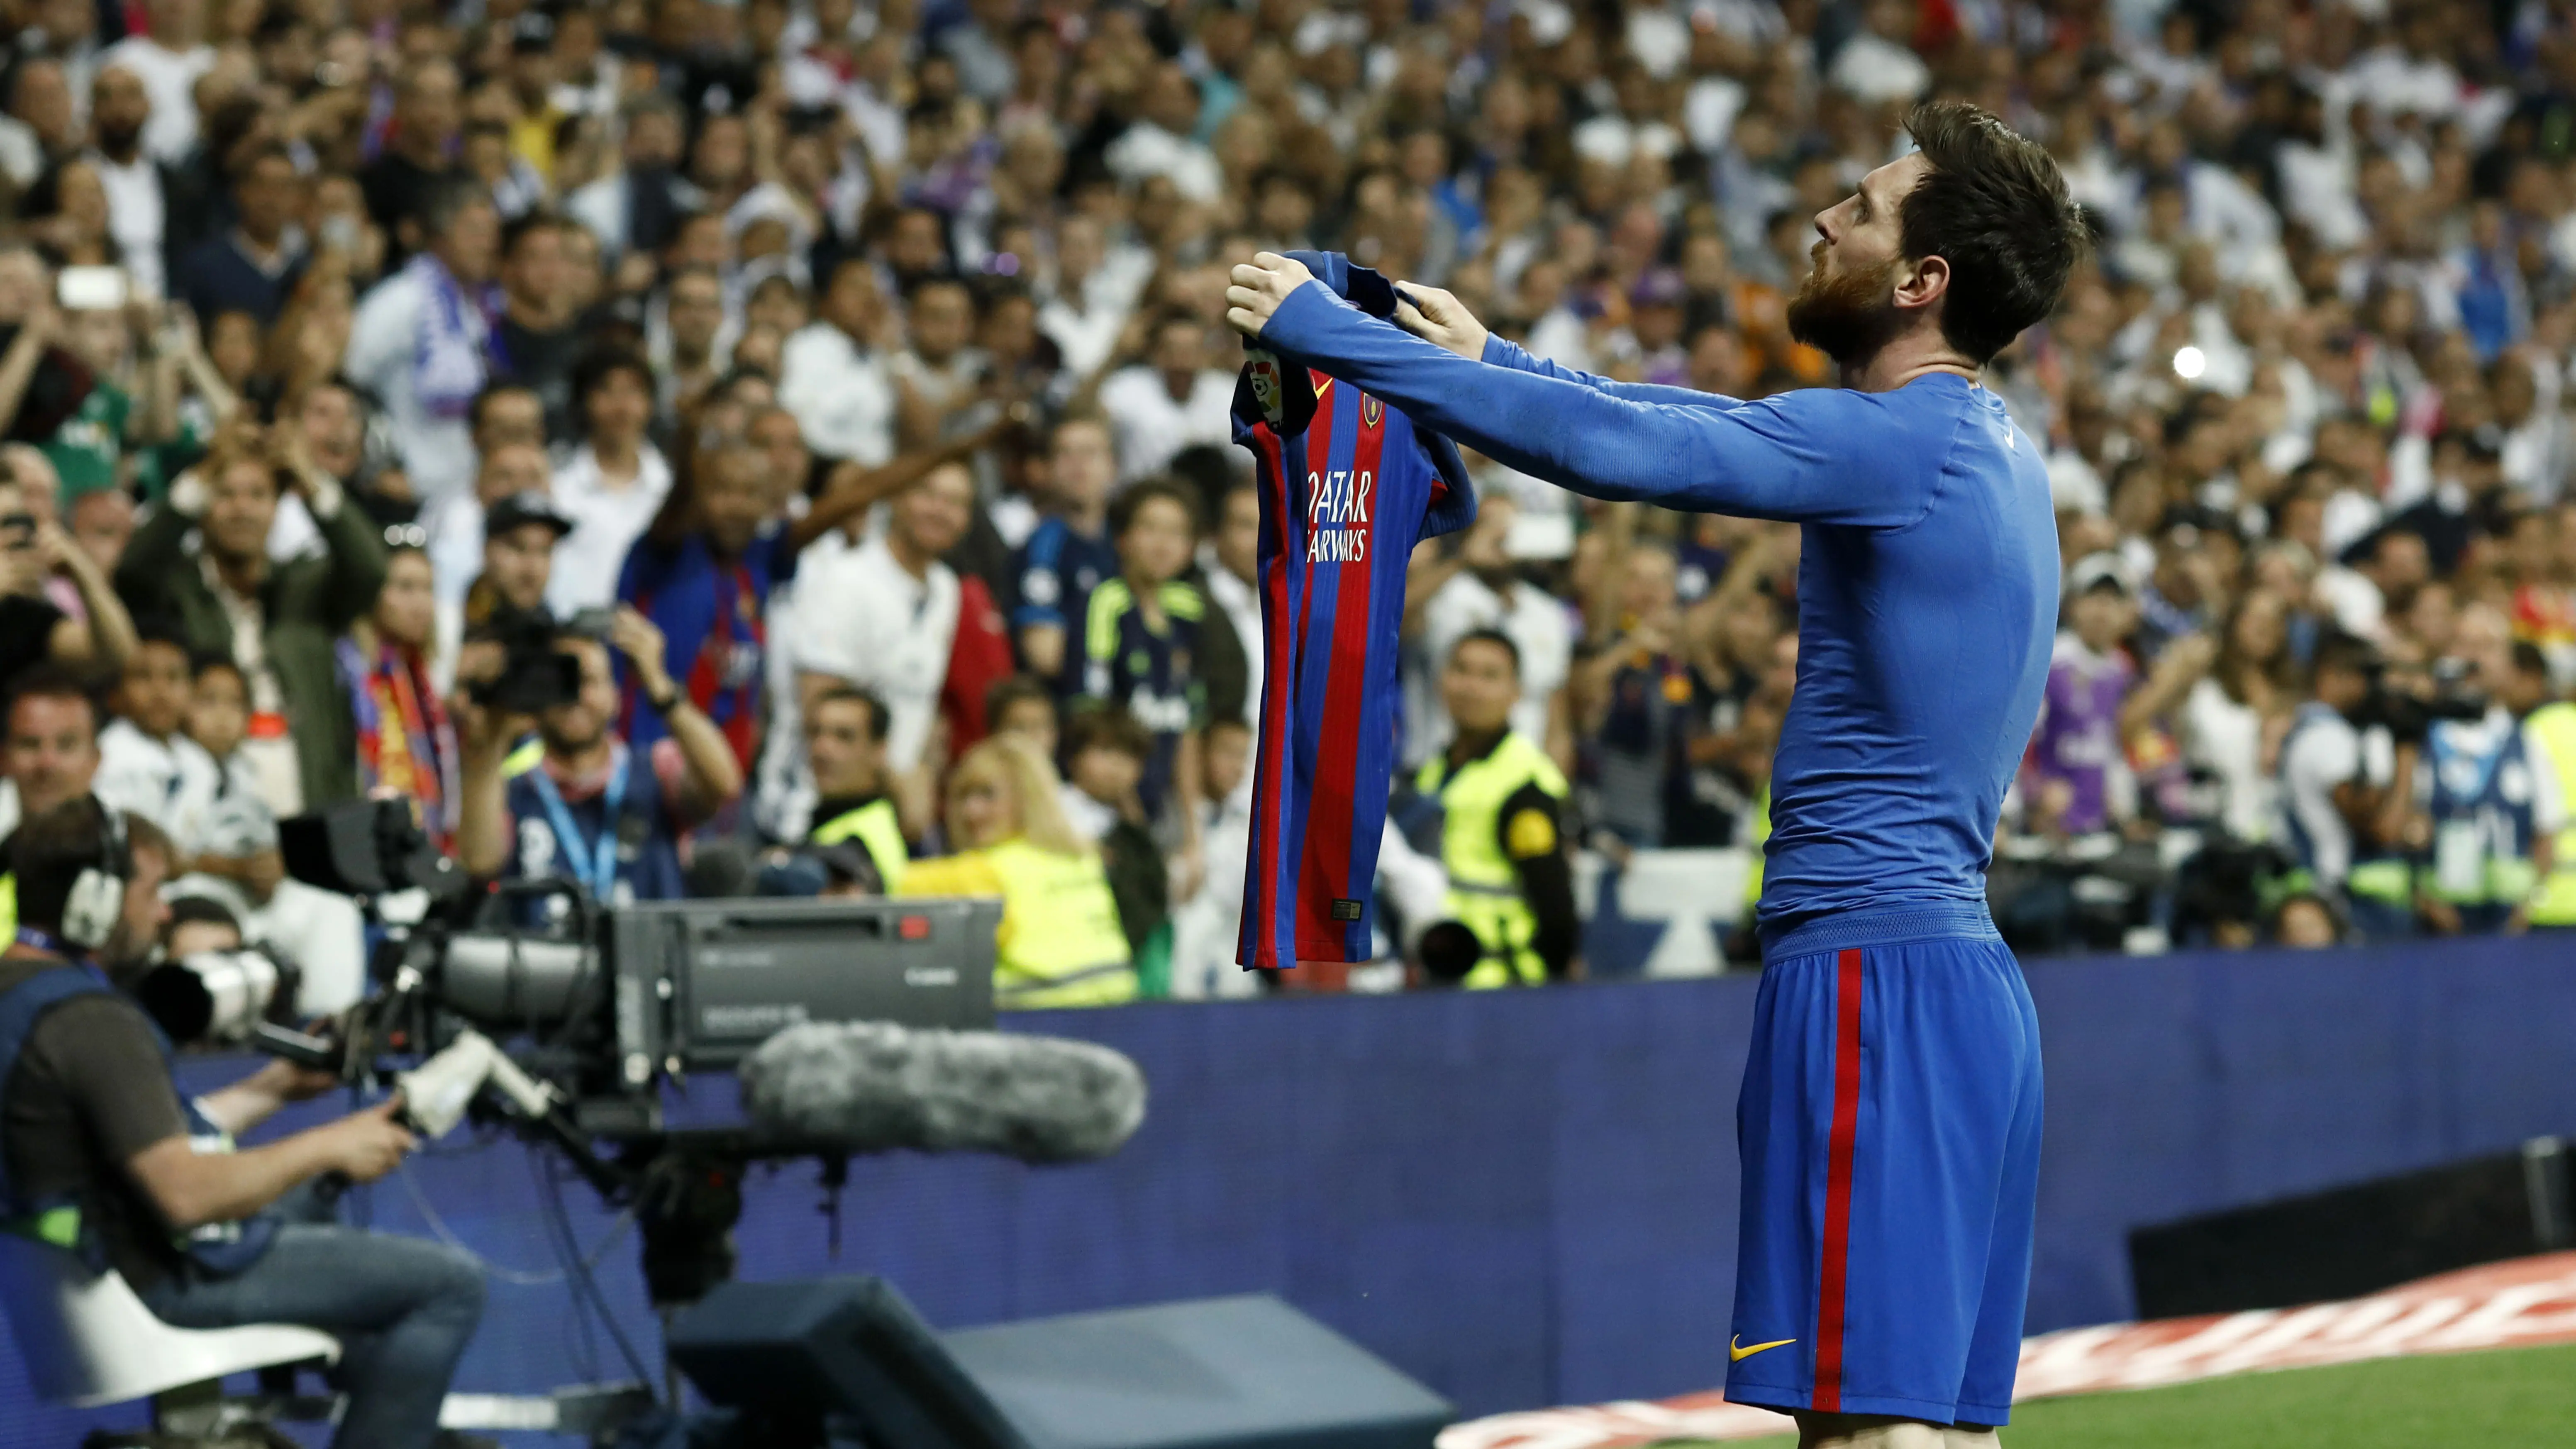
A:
[2521, 1304]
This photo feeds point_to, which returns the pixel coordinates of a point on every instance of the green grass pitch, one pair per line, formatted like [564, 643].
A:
[2501, 1397]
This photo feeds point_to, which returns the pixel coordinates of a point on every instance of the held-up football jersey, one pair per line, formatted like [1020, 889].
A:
[1348, 486]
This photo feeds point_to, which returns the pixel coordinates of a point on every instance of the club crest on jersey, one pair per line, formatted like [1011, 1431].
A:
[1372, 412]
[1266, 390]
[1337, 515]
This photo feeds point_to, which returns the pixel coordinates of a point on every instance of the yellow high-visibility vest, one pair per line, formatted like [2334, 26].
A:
[877, 830]
[2553, 728]
[1484, 885]
[1061, 943]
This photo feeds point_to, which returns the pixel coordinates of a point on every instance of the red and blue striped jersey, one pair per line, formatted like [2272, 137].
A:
[1348, 486]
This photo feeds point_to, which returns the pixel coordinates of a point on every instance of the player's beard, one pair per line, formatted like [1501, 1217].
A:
[1847, 317]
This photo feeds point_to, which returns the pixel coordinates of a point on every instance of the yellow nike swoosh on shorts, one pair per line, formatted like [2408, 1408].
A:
[1738, 1355]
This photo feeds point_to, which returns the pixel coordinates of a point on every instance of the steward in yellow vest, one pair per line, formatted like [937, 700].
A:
[845, 734]
[2549, 738]
[1060, 942]
[1502, 811]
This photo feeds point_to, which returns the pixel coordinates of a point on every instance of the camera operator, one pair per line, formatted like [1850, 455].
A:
[585, 806]
[104, 1157]
[2347, 780]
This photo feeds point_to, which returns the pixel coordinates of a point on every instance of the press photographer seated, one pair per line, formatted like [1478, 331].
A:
[101, 1156]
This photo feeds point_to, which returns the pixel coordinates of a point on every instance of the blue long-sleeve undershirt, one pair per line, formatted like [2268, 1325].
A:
[1927, 591]
[1787, 457]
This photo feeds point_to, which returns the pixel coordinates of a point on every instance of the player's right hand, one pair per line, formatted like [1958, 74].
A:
[371, 1142]
[1258, 287]
[1438, 317]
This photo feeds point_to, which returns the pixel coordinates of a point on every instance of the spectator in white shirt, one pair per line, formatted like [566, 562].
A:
[883, 616]
[168, 61]
[1231, 562]
[147, 765]
[1447, 599]
[833, 378]
[1163, 405]
[1160, 142]
[1879, 64]
[420, 341]
[137, 201]
[611, 486]
[1090, 306]
[457, 538]
[42, 125]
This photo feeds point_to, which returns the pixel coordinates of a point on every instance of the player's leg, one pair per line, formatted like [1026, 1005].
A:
[1866, 1431]
[1994, 1348]
[1874, 1123]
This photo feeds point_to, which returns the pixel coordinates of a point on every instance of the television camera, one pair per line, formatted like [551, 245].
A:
[577, 1019]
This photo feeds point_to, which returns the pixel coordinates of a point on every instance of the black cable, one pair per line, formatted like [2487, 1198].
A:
[587, 1282]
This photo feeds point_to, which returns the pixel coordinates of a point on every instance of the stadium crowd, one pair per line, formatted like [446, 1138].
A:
[727, 445]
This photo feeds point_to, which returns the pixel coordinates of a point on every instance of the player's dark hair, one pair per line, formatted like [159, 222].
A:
[2528, 659]
[1994, 206]
[1107, 727]
[878, 723]
[1495, 637]
[1124, 508]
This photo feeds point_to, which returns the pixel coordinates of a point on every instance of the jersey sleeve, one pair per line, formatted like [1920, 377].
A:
[1501, 351]
[1789, 458]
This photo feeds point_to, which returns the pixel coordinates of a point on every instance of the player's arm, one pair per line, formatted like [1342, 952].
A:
[1436, 316]
[1533, 841]
[1790, 457]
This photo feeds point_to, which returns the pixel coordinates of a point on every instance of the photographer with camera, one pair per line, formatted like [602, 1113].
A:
[104, 1157]
[585, 806]
[2487, 791]
[2347, 771]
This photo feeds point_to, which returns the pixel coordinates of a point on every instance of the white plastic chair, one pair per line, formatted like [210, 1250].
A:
[87, 1340]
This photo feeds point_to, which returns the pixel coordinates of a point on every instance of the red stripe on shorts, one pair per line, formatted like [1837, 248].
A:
[1828, 1396]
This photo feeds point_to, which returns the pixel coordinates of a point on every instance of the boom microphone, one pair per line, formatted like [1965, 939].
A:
[872, 1085]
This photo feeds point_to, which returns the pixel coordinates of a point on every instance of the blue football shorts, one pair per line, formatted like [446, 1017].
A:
[1889, 1129]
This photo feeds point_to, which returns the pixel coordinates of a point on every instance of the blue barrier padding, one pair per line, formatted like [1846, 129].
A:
[1527, 1198]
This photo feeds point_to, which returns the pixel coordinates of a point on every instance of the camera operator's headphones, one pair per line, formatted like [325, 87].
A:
[97, 899]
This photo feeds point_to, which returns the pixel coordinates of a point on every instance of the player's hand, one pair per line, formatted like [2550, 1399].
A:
[1259, 286]
[1438, 317]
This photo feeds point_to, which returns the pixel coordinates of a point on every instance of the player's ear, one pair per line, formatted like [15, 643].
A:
[1922, 282]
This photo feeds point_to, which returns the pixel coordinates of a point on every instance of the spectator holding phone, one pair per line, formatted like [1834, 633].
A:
[34, 551]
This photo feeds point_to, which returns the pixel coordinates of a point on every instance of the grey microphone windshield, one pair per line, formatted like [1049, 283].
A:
[873, 1086]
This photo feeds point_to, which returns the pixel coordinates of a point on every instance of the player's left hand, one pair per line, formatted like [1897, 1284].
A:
[1258, 287]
